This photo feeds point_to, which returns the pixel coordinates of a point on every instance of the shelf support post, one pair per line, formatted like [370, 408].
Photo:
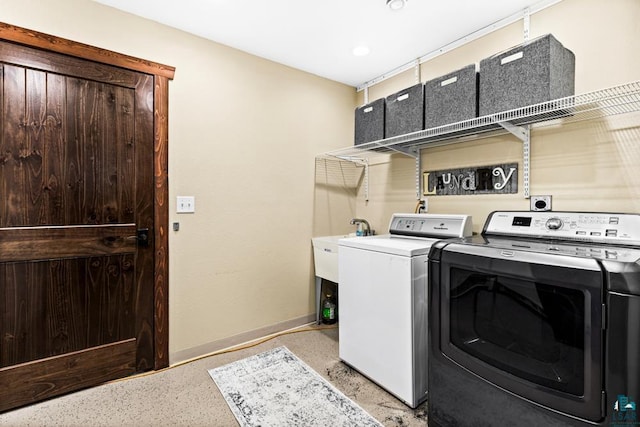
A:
[526, 154]
[526, 18]
[523, 133]
[418, 173]
[365, 162]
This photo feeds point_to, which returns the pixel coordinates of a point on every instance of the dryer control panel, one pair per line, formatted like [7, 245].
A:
[618, 228]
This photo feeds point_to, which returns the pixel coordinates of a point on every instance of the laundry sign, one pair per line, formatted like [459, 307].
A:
[476, 180]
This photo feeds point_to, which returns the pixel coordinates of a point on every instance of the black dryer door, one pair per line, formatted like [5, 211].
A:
[528, 322]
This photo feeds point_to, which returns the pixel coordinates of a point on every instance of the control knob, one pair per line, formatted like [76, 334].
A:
[554, 223]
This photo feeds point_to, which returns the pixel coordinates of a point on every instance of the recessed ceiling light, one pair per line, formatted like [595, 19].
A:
[396, 4]
[361, 50]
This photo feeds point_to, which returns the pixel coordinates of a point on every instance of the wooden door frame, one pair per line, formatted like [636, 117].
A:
[161, 74]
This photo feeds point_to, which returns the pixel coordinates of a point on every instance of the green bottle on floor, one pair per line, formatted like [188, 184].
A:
[329, 310]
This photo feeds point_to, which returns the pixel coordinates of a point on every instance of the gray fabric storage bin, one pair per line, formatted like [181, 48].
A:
[369, 122]
[537, 71]
[404, 111]
[451, 98]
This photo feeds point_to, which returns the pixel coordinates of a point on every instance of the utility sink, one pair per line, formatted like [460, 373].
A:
[325, 256]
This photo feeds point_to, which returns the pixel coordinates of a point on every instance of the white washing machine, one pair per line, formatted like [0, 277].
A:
[383, 301]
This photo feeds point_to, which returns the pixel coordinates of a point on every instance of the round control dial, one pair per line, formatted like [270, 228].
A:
[554, 223]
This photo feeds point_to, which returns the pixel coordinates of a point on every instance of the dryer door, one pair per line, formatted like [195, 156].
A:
[530, 323]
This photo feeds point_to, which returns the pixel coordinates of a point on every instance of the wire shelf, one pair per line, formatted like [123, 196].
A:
[592, 105]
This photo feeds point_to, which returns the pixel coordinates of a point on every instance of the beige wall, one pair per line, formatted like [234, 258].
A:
[589, 166]
[243, 135]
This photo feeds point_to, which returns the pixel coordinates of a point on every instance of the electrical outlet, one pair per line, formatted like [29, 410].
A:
[186, 204]
[540, 203]
[424, 206]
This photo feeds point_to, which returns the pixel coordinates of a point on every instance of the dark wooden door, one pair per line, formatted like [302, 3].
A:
[76, 188]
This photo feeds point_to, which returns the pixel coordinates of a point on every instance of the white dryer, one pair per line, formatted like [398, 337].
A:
[383, 301]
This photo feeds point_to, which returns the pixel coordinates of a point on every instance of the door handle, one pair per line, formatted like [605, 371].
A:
[142, 235]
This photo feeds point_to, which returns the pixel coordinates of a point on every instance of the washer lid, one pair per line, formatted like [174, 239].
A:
[388, 244]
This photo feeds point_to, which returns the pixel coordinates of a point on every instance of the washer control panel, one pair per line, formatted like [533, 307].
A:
[621, 228]
[430, 225]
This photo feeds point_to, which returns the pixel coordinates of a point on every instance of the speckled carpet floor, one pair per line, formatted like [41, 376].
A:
[186, 395]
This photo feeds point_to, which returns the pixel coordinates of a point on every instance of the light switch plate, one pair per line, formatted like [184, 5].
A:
[186, 204]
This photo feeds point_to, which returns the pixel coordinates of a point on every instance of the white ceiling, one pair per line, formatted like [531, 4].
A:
[318, 36]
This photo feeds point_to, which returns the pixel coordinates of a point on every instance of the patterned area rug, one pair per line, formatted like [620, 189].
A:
[275, 388]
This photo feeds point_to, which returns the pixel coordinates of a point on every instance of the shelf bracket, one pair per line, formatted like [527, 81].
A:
[411, 151]
[523, 133]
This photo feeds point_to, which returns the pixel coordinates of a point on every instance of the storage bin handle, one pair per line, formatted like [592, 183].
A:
[449, 81]
[511, 58]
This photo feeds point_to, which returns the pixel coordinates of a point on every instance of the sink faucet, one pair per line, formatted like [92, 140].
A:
[367, 228]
